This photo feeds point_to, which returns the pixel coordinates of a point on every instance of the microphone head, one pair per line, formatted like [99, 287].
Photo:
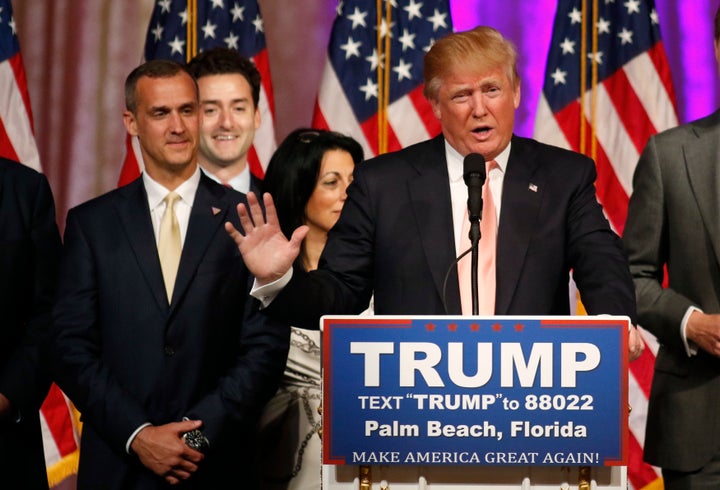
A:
[474, 165]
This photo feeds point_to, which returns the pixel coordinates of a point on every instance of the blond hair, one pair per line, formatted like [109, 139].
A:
[482, 48]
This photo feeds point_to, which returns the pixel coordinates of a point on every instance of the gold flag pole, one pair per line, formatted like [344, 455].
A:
[379, 48]
[191, 50]
[386, 79]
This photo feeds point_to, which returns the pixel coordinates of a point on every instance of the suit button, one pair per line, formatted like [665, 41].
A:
[169, 351]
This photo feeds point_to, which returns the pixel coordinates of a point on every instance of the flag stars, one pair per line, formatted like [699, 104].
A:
[351, 48]
[625, 36]
[558, 76]
[633, 6]
[384, 30]
[438, 20]
[374, 60]
[183, 17]
[403, 70]
[217, 4]
[357, 18]
[176, 46]
[12, 25]
[575, 16]
[596, 57]
[238, 13]
[567, 46]
[164, 6]
[209, 29]
[654, 17]
[157, 32]
[413, 9]
[407, 40]
[232, 41]
[258, 23]
[370, 89]
[603, 26]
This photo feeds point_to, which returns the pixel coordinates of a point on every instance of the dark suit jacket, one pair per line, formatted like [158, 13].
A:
[395, 237]
[29, 250]
[125, 357]
[673, 222]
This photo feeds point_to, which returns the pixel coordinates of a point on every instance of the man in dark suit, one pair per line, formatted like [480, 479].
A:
[29, 252]
[400, 228]
[169, 375]
[229, 86]
[673, 227]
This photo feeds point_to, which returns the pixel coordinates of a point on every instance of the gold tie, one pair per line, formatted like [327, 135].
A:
[486, 255]
[169, 243]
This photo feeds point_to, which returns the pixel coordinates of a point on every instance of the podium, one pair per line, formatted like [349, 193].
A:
[446, 402]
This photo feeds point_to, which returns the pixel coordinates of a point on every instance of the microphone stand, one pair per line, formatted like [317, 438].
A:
[474, 241]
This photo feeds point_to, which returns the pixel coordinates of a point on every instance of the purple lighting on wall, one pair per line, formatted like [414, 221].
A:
[686, 27]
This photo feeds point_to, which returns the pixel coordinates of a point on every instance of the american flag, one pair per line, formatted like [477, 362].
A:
[17, 142]
[620, 67]
[233, 24]
[383, 110]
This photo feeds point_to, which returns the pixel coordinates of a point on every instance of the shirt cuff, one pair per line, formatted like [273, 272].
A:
[133, 435]
[267, 293]
[690, 347]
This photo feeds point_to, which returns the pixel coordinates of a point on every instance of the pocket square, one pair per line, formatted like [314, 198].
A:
[215, 210]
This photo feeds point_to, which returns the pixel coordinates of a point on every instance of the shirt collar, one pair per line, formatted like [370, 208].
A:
[455, 161]
[156, 192]
[241, 182]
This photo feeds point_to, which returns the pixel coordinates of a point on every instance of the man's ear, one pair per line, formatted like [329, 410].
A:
[129, 122]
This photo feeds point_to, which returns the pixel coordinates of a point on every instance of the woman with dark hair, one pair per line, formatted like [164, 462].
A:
[307, 177]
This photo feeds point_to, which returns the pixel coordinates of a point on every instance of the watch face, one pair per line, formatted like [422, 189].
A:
[196, 440]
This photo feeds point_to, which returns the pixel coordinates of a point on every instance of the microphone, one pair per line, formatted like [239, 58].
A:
[474, 176]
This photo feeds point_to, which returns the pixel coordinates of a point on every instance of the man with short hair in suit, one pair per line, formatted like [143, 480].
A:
[29, 253]
[169, 366]
[401, 227]
[229, 87]
[672, 237]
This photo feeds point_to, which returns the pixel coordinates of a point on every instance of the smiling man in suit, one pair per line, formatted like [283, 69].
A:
[401, 227]
[156, 339]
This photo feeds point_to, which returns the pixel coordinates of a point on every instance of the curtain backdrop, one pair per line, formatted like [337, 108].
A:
[78, 52]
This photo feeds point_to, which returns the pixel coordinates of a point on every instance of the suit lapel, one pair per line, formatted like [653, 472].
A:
[433, 215]
[132, 208]
[702, 161]
[208, 213]
[521, 198]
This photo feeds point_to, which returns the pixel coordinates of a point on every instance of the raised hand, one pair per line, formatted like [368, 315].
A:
[267, 253]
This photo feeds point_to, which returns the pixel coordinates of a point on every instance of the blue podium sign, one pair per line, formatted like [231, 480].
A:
[475, 390]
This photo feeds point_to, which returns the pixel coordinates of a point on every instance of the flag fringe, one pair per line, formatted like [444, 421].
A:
[64, 468]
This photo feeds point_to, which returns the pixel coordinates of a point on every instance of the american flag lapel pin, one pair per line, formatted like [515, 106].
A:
[532, 187]
[215, 211]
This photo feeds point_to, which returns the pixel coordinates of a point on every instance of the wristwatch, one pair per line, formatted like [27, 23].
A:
[195, 439]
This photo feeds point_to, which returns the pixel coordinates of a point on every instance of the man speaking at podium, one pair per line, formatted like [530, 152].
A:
[403, 223]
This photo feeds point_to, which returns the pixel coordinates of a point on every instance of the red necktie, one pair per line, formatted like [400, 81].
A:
[486, 255]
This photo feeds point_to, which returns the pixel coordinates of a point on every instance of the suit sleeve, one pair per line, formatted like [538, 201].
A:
[79, 367]
[646, 241]
[25, 377]
[595, 254]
